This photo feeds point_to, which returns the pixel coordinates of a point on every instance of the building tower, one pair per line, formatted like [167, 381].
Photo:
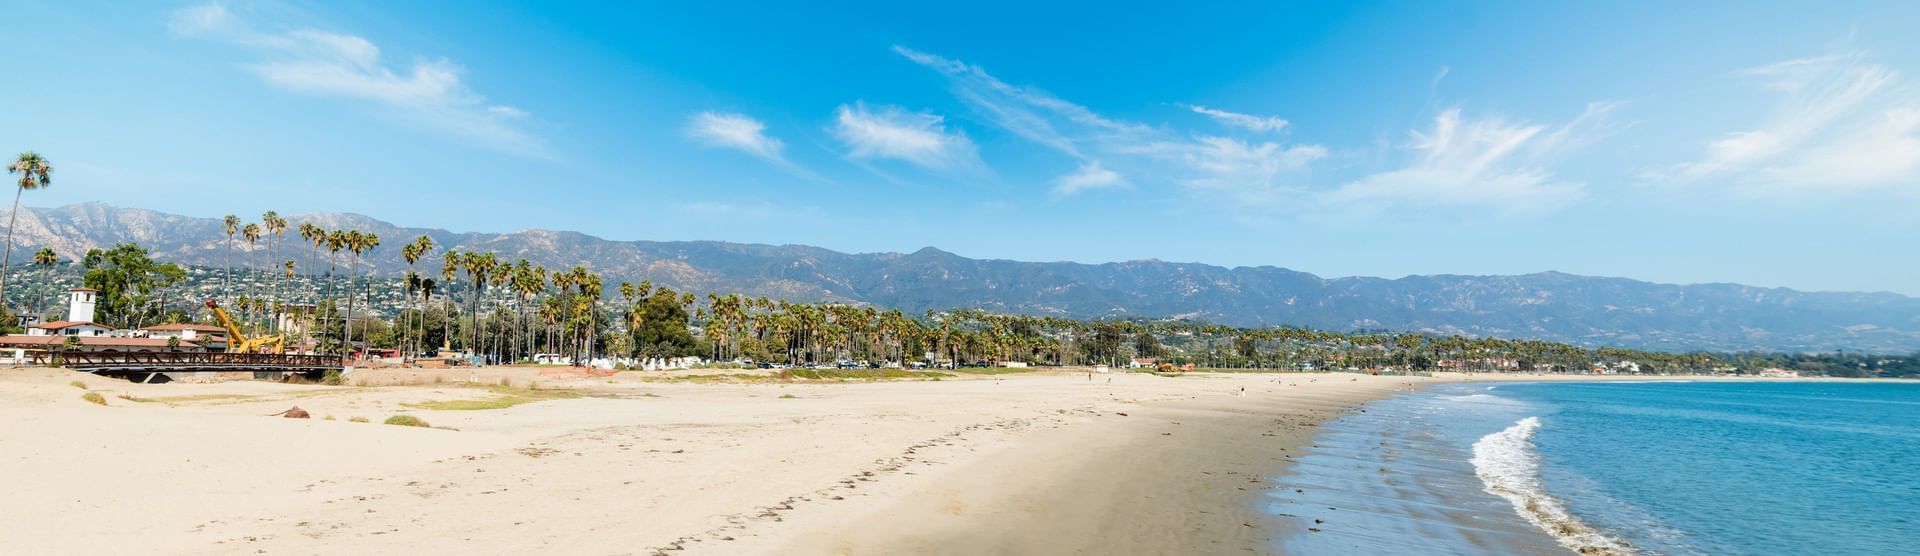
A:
[80, 302]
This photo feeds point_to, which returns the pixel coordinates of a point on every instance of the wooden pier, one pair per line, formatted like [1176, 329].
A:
[132, 364]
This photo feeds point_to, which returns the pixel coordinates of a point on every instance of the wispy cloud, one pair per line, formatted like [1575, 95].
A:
[429, 94]
[1249, 122]
[1089, 176]
[1484, 163]
[735, 131]
[1840, 123]
[1141, 152]
[920, 138]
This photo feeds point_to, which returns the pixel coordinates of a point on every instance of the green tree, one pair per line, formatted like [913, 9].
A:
[661, 326]
[128, 281]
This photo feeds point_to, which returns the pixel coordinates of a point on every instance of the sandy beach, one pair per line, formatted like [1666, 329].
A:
[1026, 463]
[1052, 462]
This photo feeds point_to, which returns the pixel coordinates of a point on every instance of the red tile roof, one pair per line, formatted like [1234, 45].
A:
[23, 340]
[193, 327]
[59, 324]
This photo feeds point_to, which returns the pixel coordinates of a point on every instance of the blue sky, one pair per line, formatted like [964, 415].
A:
[1771, 145]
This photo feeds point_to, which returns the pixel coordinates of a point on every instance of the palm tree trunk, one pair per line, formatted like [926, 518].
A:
[6, 261]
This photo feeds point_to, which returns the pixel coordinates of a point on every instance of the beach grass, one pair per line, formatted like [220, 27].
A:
[809, 375]
[991, 370]
[357, 419]
[405, 420]
[94, 397]
[505, 397]
[196, 398]
[78, 384]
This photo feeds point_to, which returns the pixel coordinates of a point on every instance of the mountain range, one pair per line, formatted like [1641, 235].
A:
[1554, 306]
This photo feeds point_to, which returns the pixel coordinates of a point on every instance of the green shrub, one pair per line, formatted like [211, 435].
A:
[406, 421]
[333, 378]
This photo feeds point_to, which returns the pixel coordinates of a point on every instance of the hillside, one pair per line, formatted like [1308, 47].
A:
[1549, 305]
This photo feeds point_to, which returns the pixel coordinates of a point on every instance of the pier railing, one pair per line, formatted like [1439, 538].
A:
[181, 361]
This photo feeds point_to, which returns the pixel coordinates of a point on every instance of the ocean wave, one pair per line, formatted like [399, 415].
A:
[1509, 467]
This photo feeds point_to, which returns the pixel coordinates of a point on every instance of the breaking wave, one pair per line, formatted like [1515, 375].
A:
[1509, 467]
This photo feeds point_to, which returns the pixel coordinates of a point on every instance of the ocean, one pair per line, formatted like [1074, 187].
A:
[1705, 467]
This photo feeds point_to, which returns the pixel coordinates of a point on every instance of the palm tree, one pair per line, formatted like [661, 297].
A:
[316, 238]
[412, 253]
[336, 240]
[426, 300]
[449, 268]
[252, 234]
[276, 228]
[359, 243]
[233, 226]
[479, 268]
[45, 258]
[498, 274]
[35, 173]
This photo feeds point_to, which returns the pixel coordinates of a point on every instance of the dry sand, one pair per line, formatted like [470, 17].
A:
[1040, 463]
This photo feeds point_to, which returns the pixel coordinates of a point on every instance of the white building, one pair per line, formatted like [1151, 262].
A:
[88, 335]
[80, 304]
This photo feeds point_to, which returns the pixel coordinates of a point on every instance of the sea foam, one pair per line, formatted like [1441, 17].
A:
[1510, 468]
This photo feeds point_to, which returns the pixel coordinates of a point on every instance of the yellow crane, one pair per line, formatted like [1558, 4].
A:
[238, 342]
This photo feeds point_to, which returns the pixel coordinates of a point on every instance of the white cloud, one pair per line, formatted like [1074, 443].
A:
[1244, 171]
[1089, 176]
[920, 138]
[735, 131]
[1840, 123]
[1487, 164]
[1142, 152]
[1483, 163]
[430, 93]
[1249, 122]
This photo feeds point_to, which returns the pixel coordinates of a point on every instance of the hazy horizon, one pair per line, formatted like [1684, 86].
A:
[296, 217]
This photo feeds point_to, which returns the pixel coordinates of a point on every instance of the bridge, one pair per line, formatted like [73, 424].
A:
[129, 364]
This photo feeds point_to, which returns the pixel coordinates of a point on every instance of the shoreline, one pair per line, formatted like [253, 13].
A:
[1173, 477]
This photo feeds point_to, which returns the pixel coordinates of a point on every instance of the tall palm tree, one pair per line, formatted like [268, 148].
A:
[504, 277]
[316, 237]
[413, 252]
[449, 268]
[479, 268]
[336, 240]
[252, 234]
[426, 300]
[45, 258]
[276, 228]
[35, 173]
[359, 243]
[233, 227]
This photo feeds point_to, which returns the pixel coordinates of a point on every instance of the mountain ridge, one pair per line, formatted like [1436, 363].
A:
[1551, 305]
